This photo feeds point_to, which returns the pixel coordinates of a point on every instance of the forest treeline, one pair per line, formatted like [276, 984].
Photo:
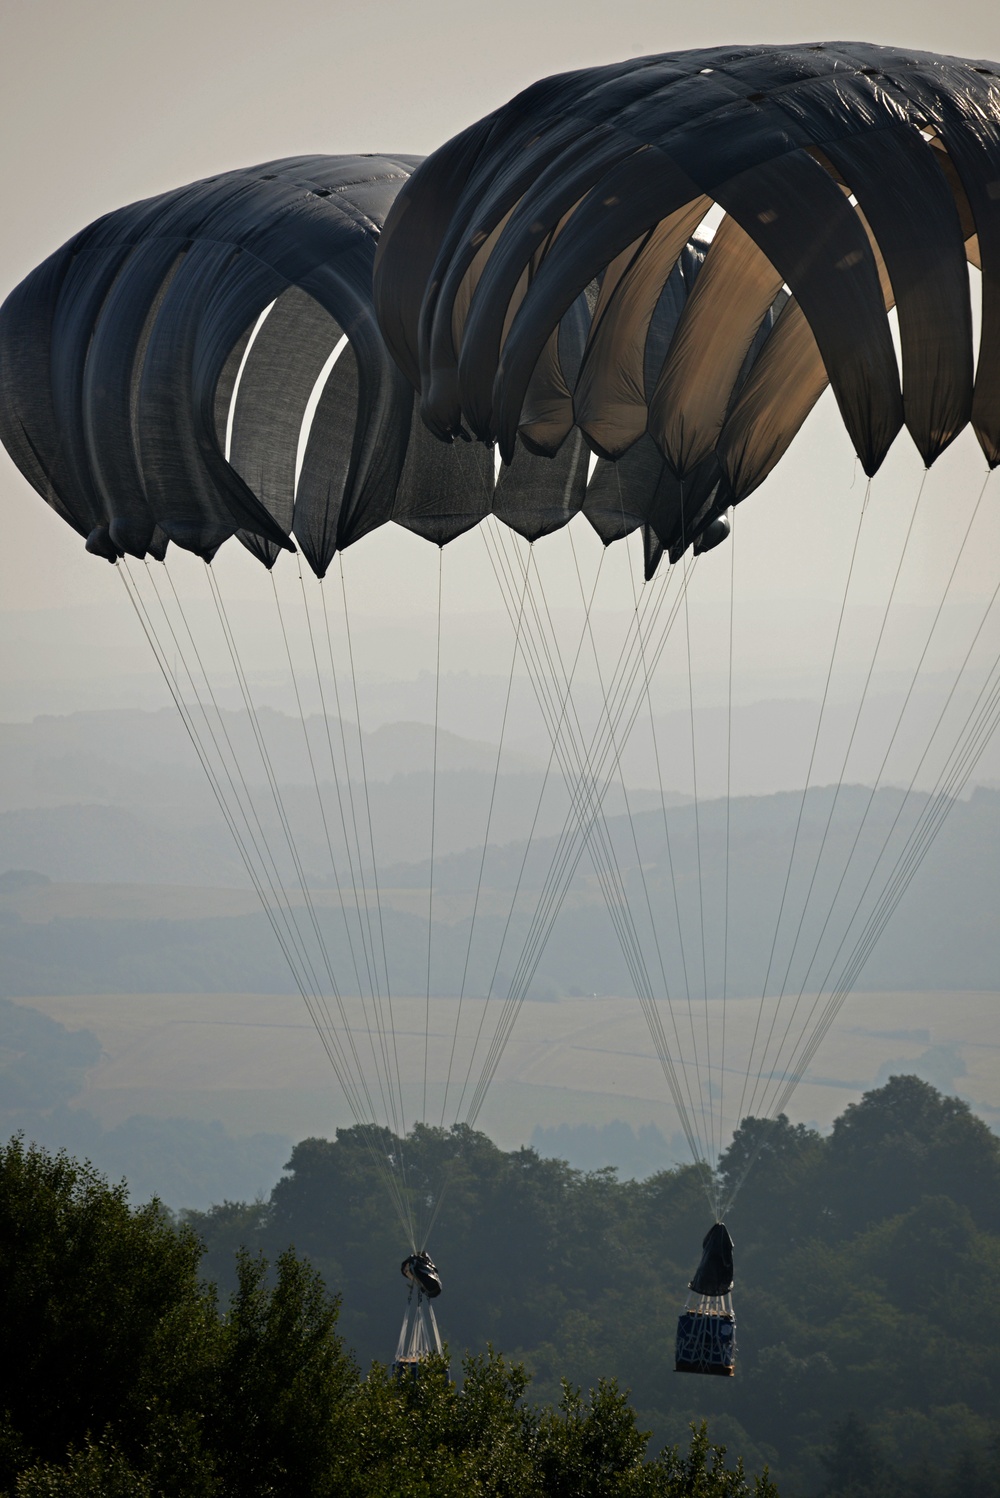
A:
[121, 1376]
[141, 1356]
[867, 1282]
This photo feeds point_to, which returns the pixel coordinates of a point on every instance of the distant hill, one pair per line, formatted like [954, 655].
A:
[116, 919]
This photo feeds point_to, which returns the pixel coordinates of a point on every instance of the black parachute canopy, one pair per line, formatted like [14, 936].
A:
[855, 177]
[207, 363]
[714, 1275]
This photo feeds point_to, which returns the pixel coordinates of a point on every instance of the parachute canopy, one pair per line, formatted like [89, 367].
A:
[852, 178]
[420, 1270]
[207, 363]
[714, 1275]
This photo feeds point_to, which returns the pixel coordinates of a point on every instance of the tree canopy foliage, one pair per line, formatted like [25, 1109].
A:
[121, 1377]
[867, 1262]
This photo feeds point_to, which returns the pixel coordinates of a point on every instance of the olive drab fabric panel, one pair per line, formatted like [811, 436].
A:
[851, 179]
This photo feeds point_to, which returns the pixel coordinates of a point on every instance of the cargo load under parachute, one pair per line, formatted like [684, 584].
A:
[706, 1331]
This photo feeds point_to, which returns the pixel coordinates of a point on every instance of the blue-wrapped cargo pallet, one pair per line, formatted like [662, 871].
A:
[706, 1342]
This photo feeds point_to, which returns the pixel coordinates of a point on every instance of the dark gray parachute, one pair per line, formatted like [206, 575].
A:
[146, 401]
[714, 1275]
[207, 363]
[854, 177]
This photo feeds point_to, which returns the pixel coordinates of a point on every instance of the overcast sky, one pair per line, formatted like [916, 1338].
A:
[111, 101]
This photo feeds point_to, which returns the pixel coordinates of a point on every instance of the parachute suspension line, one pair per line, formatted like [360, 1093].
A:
[319, 795]
[565, 860]
[686, 564]
[450, 1168]
[386, 1101]
[486, 839]
[895, 732]
[362, 1114]
[545, 911]
[434, 771]
[646, 996]
[759, 1083]
[836, 796]
[697, 1153]
[979, 726]
[948, 787]
[380, 924]
[257, 878]
[573, 759]
[596, 834]
[802, 801]
[729, 797]
[279, 914]
[258, 840]
[340, 806]
[364, 783]
[386, 1036]
[562, 864]
[381, 1002]
[515, 994]
[358, 873]
[647, 1000]
[380, 997]
[977, 729]
[320, 1000]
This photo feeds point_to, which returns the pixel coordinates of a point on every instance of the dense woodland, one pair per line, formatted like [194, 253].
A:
[121, 1377]
[867, 1283]
[868, 1301]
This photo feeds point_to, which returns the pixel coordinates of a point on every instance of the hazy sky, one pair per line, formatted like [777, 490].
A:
[112, 101]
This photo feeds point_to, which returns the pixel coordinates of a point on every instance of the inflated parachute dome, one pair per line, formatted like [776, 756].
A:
[853, 178]
[207, 363]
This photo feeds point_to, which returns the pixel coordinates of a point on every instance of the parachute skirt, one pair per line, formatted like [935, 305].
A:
[706, 1337]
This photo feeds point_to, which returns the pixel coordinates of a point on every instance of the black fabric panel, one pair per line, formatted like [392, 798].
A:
[326, 461]
[129, 389]
[90, 276]
[621, 494]
[652, 552]
[714, 1275]
[641, 489]
[547, 416]
[227, 383]
[445, 488]
[385, 403]
[198, 500]
[895, 177]
[399, 286]
[28, 425]
[536, 215]
[536, 495]
[282, 368]
[808, 230]
[109, 386]
[627, 203]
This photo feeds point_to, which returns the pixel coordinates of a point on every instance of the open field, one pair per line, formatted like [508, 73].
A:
[255, 1063]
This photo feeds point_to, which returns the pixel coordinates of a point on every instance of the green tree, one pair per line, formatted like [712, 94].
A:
[90, 1290]
[283, 1385]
